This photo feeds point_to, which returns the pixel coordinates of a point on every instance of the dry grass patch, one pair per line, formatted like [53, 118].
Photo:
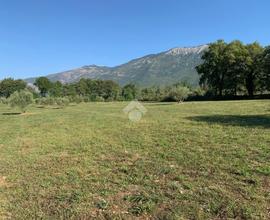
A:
[3, 181]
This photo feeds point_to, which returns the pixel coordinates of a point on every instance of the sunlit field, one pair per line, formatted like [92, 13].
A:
[196, 160]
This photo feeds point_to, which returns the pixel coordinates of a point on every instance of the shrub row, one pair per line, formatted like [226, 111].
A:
[52, 101]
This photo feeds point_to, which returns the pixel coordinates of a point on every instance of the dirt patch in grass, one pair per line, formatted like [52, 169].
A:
[3, 182]
[26, 145]
[28, 113]
[127, 204]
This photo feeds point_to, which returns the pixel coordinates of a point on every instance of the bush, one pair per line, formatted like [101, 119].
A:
[21, 99]
[86, 99]
[198, 92]
[76, 99]
[61, 101]
[51, 101]
[46, 101]
[110, 99]
[3, 100]
[37, 101]
[99, 99]
[179, 93]
[94, 98]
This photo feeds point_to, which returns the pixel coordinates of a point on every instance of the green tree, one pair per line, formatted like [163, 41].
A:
[21, 99]
[44, 85]
[213, 70]
[253, 72]
[129, 92]
[3, 100]
[82, 87]
[231, 68]
[109, 90]
[61, 102]
[9, 86]
[56, 89]
[159, 94]
[148, 94]
[69, 90]
[265, 63]
[235, 64]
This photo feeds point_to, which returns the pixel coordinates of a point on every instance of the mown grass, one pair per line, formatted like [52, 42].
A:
[201, 160]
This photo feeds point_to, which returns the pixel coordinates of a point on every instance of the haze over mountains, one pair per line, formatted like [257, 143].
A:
[174, 65]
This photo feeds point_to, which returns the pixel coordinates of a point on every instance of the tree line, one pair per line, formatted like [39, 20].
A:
[108, 90]
[86, 90]
[235, 69]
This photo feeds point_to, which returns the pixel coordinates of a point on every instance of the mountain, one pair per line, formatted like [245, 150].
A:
[174, 65]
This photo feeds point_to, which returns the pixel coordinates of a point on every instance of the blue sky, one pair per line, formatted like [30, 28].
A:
[38, 37]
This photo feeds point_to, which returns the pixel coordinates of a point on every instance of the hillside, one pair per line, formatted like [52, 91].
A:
[177, 64]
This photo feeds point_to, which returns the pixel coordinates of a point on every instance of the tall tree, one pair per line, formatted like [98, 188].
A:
[212, 71]
[148, 94]
[129, 92]
[69, 90]
[9, 86]
[265, 61]
[109, 90]
[56, 89]
[82, 87]
[253, 72]
[235, 65]
[43, 85]
[231, 68]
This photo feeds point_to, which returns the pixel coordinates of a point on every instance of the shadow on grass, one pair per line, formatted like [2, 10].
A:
[11, 113]
[159, 103]
[48, 107]
[236, 120]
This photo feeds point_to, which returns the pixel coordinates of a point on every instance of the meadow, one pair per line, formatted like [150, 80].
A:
[196, 160]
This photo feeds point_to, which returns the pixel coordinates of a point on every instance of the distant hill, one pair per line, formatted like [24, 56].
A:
[177, 64]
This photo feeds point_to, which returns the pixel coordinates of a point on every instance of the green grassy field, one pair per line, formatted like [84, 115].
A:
[201, 160]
